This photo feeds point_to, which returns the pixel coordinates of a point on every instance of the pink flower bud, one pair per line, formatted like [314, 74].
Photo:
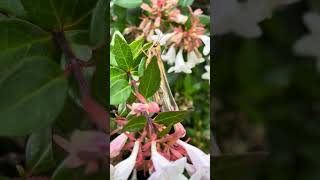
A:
[153, 107]
[117, 144]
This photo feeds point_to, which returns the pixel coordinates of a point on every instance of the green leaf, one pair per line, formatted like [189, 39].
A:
[135, 124]
[165, 131]
[185, 3]
[142, 66]
[21, 38]
[204, 19]
[39, 155]
[150, 81]
[98, 27]
[136, 47]
[128, 4]
[123, 54]
[59, 14]
[114, 37]
[242, 166]
[119, 79]
[32, 93]
[12, 7]
[170, 117]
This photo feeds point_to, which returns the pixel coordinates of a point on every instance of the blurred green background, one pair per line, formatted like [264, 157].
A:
[267, 98]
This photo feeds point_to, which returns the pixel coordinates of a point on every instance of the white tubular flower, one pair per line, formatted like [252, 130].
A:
[123, 169]
[206, 75]
[180, 65]
[181, 19]
[193, 59]
[200, 161]
[170, 56]
[160, 37]
[117, 144]
[165, 169]
[206, 41]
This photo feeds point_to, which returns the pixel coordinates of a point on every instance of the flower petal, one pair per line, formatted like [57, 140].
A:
[117, 144]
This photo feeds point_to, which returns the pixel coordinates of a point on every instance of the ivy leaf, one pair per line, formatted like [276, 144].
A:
[150, 81]
[128, 4]
[135, 124]
[242, 166]
[165, 131]
[136, 47]
[122, 54]
[98, 27]
[120, 88]
[185, 3]
[32, 93]
[39, 154]
[170, 117]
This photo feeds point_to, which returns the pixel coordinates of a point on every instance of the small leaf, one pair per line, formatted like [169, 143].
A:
[98, 26]
[122, 54]
[120, 91]
[135, 124]
[136, 47]
[170, 117]
[185, 3]
[165, 131]
[150, 81]
[142, 66]
[128, 4]
[39, 155]
[204, 19]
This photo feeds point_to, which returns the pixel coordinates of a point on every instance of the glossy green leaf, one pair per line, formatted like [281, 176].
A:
[128, 4]
[82, 52]
[32, 93]
[170, 117]
[120, 91]
[142, 66]
[39, 155]
[123, 54]
[98, 27]
[12, 7]
[150, 81]
[185, 3]
[117, 73]
[59, 14]
[136, 47]
[135, 124]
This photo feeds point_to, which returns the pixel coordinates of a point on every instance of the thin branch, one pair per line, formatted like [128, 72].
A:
[97, 113]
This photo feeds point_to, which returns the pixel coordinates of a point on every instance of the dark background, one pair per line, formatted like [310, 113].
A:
[266, 98]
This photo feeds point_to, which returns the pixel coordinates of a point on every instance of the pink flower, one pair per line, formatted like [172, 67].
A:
[117, 144]
[138, 108]
[85, 148]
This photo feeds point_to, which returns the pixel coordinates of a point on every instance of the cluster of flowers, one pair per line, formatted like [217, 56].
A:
[164, 158]
[165, 23]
